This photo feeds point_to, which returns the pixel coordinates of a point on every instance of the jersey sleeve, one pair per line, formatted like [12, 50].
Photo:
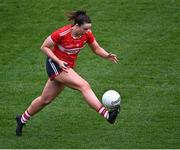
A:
[55, 36]
[91, 37]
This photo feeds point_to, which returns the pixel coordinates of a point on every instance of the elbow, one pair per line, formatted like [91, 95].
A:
[42, 48]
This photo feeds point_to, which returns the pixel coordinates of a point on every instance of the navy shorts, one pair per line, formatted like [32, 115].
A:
[52, 68]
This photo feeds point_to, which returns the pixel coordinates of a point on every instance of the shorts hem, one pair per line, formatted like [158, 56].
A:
[53, 76]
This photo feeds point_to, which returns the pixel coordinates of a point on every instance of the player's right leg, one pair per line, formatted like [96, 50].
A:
[51, 90]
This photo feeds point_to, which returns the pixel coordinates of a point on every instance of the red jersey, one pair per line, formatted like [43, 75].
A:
[66, 48]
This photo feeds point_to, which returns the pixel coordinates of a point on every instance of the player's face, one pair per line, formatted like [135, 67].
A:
[83, 28]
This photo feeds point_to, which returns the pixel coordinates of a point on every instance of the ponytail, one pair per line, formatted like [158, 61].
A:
[79, 17]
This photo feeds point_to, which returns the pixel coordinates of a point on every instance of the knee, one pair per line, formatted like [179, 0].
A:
[84, 86]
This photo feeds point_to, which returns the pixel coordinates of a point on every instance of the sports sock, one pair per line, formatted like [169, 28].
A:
[103, 112]
[25, 117]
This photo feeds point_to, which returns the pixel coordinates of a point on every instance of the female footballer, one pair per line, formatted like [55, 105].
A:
[62, 48]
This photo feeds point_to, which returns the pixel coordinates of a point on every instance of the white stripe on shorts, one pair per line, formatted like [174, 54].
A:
[53, 66]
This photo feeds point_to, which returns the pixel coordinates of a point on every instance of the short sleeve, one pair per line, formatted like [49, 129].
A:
[91, 37]
[55, 36]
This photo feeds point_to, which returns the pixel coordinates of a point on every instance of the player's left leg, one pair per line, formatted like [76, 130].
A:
[75, 81]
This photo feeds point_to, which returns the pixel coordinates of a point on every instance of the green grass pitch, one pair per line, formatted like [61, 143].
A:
[145, 36]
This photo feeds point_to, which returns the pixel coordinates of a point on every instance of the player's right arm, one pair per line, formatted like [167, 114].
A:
[46, 47]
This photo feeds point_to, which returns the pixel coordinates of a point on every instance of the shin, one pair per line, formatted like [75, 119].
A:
[90, 97]
[36, 105]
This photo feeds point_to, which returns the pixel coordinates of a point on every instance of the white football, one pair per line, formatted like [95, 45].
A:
[111, 98]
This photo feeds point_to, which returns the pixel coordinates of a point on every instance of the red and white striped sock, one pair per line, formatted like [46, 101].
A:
[103, 112]
[25, 117]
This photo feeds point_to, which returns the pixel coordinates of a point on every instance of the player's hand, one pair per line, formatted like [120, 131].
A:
[63, 65]
[112, 57]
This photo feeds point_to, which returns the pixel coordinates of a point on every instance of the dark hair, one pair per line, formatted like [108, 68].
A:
[80, 17]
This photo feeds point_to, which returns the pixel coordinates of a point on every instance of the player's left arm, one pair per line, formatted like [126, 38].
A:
[98, 50]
